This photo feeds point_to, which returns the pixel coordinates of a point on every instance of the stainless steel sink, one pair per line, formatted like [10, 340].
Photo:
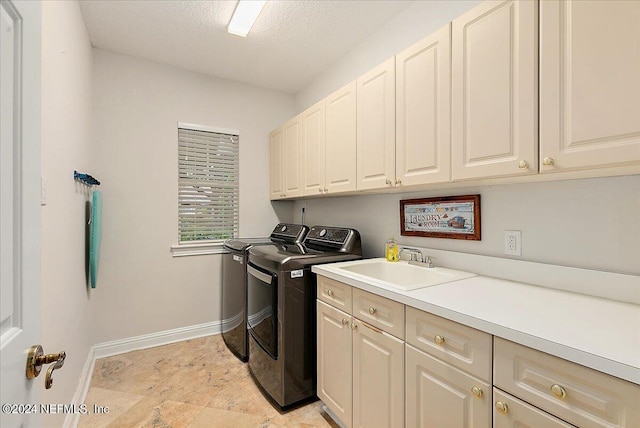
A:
[402, 275]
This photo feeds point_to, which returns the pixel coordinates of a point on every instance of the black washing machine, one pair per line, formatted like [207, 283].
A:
[234, 283]
[281, 311]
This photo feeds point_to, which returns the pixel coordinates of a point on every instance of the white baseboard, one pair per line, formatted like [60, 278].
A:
[121, 346]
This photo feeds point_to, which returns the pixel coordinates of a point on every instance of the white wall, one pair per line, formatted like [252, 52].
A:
[583, 223]
[414, 23]
[137, 104]
[580, 223]
[67, 322]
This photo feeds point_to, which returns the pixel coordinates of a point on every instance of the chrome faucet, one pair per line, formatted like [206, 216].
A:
[415, 255]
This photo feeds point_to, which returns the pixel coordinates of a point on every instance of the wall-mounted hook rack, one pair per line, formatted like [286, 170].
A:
[85, 179]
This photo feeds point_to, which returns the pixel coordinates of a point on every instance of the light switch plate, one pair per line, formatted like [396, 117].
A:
[513, 242]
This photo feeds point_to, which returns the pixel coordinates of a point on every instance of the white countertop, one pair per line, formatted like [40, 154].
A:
[592, 331]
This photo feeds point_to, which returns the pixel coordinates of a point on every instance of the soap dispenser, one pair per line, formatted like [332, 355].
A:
[392, 250]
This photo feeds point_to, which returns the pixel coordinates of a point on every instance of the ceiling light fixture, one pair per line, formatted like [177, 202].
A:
[245, 15]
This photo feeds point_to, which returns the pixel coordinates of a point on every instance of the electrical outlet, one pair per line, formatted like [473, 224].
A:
[513, 242]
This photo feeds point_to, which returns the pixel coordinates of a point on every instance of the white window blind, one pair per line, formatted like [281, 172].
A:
[207, 184]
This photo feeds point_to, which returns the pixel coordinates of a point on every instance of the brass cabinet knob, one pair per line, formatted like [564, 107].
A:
[354, 326]
[439, 340]
[558, 391]
[330, 293]
[372, 311]
[345, 321]
[388, 182]
[502, 407]
[320, 190]
[326, 190]
[523, 164]
[547, 161]
[477, 392]
[398, 182]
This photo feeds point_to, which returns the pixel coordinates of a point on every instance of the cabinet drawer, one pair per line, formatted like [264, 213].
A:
[577, 394]
[379, 311]
[463, 347]
[335, 293]
[517, 413]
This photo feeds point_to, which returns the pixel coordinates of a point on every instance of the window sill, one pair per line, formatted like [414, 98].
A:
[197, 249]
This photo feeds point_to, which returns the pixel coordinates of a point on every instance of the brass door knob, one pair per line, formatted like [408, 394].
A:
[439, 340]
[372, 310]
[502, 407]
[547, 161]
[558, 391]
[477, 392]
[36, 359]
[523, 164]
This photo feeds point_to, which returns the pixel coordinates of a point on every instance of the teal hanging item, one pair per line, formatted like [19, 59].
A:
[96, 237]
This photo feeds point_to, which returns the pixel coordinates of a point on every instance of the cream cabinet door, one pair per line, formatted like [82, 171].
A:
[334, 363]
[423, 104]
[292, 158]
[589, 84]
[378, 378]
[340, 169]
[276, 171]
[376, 131]
[439, 395]
[313, 149]
[512, 413]
[494, 90]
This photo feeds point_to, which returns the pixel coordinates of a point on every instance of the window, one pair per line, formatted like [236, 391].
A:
[207, 188]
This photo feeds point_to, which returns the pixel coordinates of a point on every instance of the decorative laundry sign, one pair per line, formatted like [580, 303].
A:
[454, 217]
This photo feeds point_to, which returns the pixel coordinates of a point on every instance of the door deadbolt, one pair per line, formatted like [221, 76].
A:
[36, 358]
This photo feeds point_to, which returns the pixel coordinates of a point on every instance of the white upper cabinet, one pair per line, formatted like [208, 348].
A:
[376, 130]
[423, 104]
[341, 140]
[292, 157]
[276, 169]
[589, 84]
[494, 90]
[313, 149]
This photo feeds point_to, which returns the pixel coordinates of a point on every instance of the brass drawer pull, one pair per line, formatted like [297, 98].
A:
[439, 340]
[477, 392]
[558, 391]
[502, 407]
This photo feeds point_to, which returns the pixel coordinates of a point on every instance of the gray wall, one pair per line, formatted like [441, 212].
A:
[137, 105]
[588, 223]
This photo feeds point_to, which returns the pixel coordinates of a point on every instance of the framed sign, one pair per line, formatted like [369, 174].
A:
[454, 217]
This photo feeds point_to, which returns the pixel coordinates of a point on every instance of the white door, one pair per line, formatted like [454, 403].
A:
[19, 206]
[376, 127]
[589, 84]
[423, 105]
[494, 93]
[340, 165]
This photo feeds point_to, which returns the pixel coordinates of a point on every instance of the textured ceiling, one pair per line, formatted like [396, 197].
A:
[290, 44]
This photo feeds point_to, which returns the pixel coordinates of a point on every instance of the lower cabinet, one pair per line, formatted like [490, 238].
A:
[439, 395]
[449, 375]
[360, 370]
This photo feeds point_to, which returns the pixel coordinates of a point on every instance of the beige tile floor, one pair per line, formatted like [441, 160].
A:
[196, 384]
